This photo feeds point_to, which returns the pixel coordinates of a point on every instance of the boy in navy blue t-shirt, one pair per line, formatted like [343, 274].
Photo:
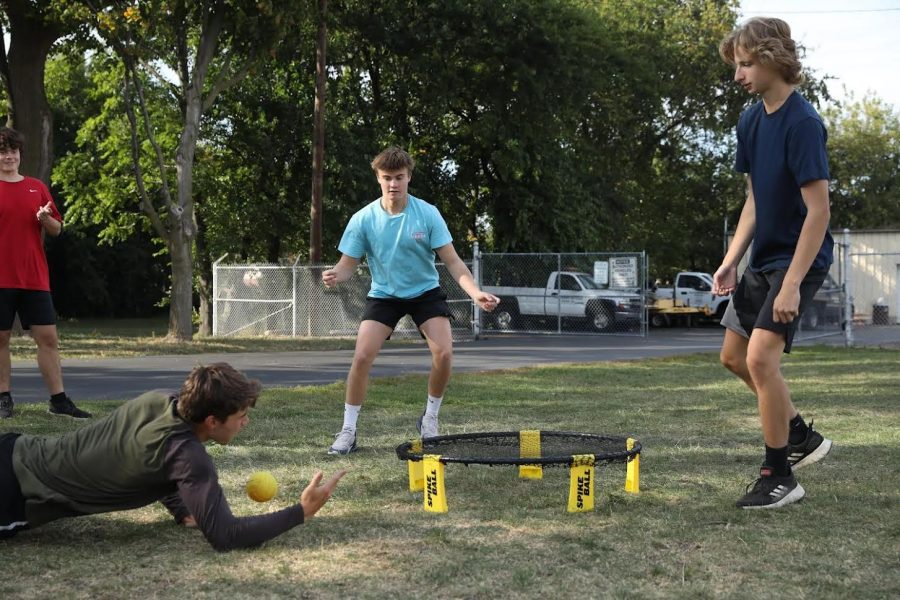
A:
[781, 148]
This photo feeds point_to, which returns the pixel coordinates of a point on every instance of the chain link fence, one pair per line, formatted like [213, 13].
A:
[600, 293]
[290, 300]
[830, 310]
[563, 293]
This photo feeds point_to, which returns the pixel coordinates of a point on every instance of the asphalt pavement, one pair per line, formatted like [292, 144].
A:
[123, 378]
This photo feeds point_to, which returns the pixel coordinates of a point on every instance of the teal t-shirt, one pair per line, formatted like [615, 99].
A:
[399, 248]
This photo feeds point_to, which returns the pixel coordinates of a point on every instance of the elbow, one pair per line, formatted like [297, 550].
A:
[822, 214]
[222, 540]
[224, 543]
[220, 547]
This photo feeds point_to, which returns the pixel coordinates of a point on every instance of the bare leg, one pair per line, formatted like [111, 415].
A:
[369, 341]
[5, 361]
[440, 341]
[734, 358]
[48, 356]
[764, 364]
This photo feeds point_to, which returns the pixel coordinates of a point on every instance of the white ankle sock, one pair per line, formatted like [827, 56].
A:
[433, 406]
[351, 414]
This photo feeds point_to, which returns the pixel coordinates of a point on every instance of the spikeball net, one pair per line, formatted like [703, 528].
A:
[530, 450]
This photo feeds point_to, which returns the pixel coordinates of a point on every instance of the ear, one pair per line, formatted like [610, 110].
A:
[210, 423]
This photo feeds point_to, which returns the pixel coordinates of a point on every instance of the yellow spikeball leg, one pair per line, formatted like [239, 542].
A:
[262, 486]
[530, 447]
[435, 498]
[633, 471]
[416, 476]
[581, 483]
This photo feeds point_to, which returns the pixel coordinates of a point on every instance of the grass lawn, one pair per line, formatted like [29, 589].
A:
[109, 338]
[680, 537]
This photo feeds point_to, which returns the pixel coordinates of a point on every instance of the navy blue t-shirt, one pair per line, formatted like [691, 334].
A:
[782, 152]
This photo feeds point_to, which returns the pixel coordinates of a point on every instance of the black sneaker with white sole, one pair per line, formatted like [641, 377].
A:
[770, 491]
[811, 450]
[6, 406]
[67, 408]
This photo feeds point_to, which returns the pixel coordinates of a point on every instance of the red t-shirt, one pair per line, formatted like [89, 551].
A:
[23, 264]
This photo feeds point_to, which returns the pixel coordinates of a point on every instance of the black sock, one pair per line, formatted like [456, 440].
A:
[58, 398]
[798, 430]
[5, 394]
[777, 460]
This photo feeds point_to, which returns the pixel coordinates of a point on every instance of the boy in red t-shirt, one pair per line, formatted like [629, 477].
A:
[27, 210]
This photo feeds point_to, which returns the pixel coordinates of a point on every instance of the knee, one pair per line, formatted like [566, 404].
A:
[443, 355]
[760, 365]
[364, 358]
[732, 362]
[47, 342]
[4, 338]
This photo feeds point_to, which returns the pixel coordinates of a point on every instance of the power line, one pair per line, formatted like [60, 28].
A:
[821, 12]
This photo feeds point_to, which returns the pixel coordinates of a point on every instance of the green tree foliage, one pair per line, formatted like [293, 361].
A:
[193, 51]
[122, 275]
[864, 156]
[554, 125]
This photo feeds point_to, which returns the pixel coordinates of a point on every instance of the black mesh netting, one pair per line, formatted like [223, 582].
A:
[503, 448]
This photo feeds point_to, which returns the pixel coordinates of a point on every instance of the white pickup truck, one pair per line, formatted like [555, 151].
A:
[568, 295]
[692, 294]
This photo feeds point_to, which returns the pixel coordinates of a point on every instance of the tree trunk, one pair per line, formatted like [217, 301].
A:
[181, 233]
[31, 38]
[318, 163]
[181, 307]
[204, 278]
[181, 215]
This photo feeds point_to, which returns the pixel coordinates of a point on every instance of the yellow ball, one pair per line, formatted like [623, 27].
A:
[262, 486]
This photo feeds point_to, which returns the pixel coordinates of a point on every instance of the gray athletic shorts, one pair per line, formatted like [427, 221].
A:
[751, 305]
[730, 321]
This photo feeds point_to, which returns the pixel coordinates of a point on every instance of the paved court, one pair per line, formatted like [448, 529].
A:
[122, 378]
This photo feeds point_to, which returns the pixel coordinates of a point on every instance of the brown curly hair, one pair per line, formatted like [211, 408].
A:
[10, 139]
[219, 390]
[767, 40]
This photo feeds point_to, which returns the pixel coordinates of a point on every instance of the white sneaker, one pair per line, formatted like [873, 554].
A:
[344, 442]
[427, 426]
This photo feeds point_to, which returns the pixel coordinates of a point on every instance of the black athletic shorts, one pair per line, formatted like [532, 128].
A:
[389, 311]
[35, 307]
[755, 296]
[12, 503]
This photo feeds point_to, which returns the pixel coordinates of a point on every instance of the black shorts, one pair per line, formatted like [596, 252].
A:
[35, 307]
[12, 503]
[756, 294]
[389, 311]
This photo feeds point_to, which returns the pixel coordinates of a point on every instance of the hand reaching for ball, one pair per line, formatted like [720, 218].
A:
[315, 496]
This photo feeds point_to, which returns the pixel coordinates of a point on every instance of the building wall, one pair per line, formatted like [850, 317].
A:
[875, 262]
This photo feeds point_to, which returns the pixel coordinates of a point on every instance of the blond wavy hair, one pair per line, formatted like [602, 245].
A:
[768, 41]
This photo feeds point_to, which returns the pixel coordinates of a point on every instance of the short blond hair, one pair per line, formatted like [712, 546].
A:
[767, 40]
[393, 159]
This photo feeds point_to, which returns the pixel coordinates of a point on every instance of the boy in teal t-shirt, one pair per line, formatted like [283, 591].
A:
[399, 235]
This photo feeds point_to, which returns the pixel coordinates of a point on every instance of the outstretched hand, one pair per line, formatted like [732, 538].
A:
[487, 302]
[315, 496]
